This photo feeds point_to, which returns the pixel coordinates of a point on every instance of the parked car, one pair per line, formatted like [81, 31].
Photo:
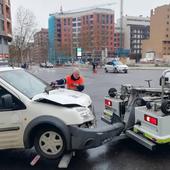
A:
[116, 66]
[42, 64]
[46, 65]
[53, 120]
[49, 65]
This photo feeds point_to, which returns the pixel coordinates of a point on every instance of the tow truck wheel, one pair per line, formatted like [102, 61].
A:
[112, 92]
[139, 102]
[165, 107]
[115, 70]
[122, 97]
[49, 143]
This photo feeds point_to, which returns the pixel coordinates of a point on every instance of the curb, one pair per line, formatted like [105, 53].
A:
[149, 68]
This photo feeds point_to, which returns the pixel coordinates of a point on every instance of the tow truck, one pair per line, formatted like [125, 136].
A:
[144, 111]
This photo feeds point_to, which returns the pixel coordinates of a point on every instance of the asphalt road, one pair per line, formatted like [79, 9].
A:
[124, 155]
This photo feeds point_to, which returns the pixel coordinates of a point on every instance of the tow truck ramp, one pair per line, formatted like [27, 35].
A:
[140, 139]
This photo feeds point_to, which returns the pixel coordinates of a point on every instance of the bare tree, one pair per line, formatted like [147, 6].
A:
[24, 31]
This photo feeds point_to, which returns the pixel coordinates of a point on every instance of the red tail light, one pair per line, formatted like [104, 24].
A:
[151, 119]
[108, 102]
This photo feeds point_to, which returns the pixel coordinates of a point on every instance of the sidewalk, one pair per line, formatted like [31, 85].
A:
[148, 68]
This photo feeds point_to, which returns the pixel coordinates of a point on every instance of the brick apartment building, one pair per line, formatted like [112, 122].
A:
[91, 30]
[40, 46]
[5, 28]
[159, 41]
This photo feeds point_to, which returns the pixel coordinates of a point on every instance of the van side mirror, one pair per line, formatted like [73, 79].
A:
[7, 101]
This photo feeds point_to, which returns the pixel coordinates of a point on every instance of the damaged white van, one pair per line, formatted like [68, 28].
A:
[54, 121]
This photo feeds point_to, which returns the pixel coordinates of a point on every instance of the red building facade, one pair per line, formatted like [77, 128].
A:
[91, 30]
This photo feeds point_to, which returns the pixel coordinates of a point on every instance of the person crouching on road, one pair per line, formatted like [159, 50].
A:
[73, 82]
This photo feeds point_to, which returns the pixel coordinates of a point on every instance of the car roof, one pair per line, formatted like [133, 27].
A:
[8, 68]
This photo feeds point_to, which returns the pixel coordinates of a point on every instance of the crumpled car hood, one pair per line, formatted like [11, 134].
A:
[64, 97]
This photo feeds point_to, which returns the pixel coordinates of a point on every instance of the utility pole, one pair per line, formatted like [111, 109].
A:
[121, 26]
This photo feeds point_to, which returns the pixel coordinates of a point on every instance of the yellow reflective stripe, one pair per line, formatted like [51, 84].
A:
[156, 140]
[108, 114]
[159, 141]
[135, 130]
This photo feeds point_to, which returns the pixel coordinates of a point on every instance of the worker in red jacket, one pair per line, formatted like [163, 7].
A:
[73, 82]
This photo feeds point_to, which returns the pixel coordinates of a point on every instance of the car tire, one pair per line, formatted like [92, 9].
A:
[112, 92]
[139, 102]
[106, 70]
[50, 143]
[125, 71]
[115, 70]
[165, 107]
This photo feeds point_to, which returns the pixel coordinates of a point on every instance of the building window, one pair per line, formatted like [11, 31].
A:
[83, 20]
[1, 25]
[111, 19]
[1, 9]
[5, 42]
[166, 35]
[68, 21]
[98, 18]
[64, 21]
[74, 24]
[167, 22]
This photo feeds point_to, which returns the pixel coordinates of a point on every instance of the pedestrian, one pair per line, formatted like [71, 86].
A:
[94, 67]
[25, 66]
[74, 81]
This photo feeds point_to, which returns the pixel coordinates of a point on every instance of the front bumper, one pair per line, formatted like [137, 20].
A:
[122, 69]
[84, 138]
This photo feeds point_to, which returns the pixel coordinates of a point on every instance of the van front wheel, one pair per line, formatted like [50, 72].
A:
[49, 143]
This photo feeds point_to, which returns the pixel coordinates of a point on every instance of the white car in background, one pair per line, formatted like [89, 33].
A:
[116, 66]
[46, 65]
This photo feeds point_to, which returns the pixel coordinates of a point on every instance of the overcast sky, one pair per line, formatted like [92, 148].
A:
[42, 8]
